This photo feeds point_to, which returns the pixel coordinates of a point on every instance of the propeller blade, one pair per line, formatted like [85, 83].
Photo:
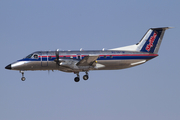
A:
[57, 56]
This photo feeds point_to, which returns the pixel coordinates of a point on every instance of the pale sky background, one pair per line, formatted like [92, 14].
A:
[147, 92]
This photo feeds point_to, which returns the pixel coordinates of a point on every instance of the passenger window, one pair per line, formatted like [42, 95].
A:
[50, 57]
[35, 56]
[111, 56]
[104, 56]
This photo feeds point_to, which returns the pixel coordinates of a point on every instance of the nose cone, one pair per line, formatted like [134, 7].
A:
[8, 67]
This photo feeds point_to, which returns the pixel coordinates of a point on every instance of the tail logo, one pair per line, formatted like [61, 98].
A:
[151, 41]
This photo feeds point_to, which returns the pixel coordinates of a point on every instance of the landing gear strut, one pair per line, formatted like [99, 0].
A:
[77, 79]
[23, 78]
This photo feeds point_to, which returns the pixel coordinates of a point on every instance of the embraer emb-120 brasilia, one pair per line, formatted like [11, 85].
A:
[84, 61]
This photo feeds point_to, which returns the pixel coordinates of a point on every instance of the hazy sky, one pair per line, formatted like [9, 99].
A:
[147, 92]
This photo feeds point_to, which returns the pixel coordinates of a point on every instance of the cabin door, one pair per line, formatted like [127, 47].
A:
[44, 59]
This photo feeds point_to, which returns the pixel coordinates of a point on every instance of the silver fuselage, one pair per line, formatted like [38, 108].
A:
[107, 60]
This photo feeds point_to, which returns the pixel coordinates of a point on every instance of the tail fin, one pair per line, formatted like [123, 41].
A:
[151, 40]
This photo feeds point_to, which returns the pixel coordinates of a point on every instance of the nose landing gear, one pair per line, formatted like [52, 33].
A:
[23, 78]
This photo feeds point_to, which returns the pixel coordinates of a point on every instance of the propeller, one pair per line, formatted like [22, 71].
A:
[57, 57]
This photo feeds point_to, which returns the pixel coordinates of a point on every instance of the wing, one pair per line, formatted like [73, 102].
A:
[88, 60]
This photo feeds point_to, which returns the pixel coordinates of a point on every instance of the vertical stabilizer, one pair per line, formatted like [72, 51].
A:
[152, 40]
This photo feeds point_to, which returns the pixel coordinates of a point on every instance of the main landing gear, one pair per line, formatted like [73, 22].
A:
[23, 78]
[77, 79]
[85, 77]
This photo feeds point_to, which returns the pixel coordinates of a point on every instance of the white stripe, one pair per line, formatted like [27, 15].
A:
[140, 62]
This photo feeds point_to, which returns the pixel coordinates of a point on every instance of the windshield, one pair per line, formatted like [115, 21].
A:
[29, 56]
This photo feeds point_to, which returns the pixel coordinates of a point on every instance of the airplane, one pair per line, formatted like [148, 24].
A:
[86, 60]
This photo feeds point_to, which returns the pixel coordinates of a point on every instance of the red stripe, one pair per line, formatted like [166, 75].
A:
[106, 55]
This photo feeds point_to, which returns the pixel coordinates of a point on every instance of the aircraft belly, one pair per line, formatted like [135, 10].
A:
[107, 65]
[117, 64]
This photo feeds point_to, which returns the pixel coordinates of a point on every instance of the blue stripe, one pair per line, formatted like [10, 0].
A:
[101, 58]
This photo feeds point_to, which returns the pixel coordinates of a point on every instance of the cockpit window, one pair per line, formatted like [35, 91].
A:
[35, 56]
[29, 56]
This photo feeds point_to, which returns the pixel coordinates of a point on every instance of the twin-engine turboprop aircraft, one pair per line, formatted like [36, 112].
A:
[84, 61]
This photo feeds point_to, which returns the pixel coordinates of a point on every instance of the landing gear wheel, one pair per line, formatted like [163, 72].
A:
[76, 79]
[85, 77]
[23, 78]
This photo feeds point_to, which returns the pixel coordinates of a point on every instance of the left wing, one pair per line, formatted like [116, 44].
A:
[88, 60]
